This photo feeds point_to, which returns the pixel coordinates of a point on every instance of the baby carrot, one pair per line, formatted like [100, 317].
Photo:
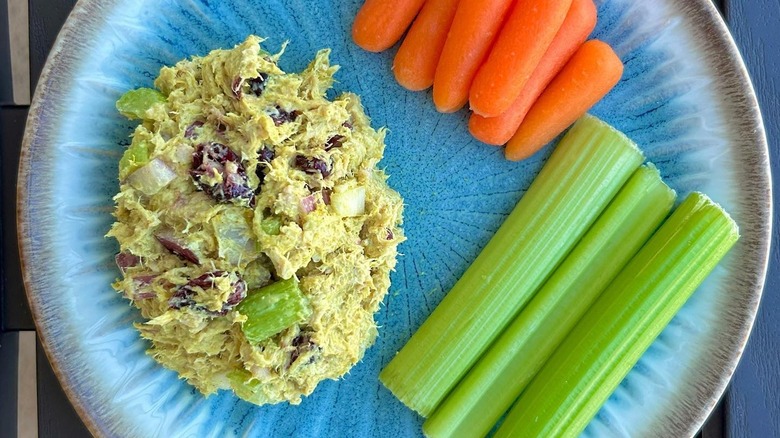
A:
[527, 34]
[588, 76]
[380, 23]
[416, 60]
[473, 30]
[579, 23]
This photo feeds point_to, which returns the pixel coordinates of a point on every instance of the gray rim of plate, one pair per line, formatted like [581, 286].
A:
[733, 82]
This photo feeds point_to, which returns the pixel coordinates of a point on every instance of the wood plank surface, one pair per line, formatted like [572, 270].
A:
[753, 402]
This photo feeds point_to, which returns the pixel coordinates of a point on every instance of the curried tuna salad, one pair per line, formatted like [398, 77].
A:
[256, 233]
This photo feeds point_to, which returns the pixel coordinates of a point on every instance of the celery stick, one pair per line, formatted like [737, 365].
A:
[623, 322]
[490, 387]
[273, 308]
[584, 173]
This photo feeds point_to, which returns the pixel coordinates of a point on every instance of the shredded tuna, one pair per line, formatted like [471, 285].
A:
[185, 295]
[190, 131]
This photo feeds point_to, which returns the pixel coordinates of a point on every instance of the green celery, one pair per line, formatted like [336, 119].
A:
[246, 386]
[490, 387]
[271, 225]
[134, 157]
[584, 173]
[134, 103]
[603, 347]
[273, 308]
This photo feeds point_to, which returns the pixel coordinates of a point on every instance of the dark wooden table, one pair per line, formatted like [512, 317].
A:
[750, 408]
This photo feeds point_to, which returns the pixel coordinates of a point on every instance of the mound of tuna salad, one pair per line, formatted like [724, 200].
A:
[256, 233]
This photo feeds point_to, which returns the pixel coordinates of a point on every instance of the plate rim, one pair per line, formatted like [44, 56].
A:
[87, 13]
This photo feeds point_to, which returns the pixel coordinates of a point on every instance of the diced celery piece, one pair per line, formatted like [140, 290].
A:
[134, 103]
[134, 157]
[589, 166]
[245, 387]
[490, 387]
[271, 225]
[614, 333]
[273, 308]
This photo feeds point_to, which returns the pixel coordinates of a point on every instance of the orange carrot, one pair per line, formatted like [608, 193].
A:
[588, 76]
[520, 46]
[579, 23]
[416, 60]
[380, 23]
[473, 30]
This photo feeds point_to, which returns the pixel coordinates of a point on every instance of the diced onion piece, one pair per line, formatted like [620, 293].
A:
[151, 177]
[349, 201]
[183, 154]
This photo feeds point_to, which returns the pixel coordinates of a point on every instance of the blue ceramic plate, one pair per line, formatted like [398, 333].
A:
[685, 98]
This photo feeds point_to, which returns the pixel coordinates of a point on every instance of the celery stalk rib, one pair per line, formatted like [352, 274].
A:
[584, 173]
[603, 347]
[490, 387]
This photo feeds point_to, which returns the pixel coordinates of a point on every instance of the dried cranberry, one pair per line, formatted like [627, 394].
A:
[266, 155]
[257, 85]
[176, 247]
[312, 165]
[260, 176]
[213, 158]
[145, 279]
[348, 125]
[334, 142]
[206, 281]
[142, 287]
[190, 131]
[235, 87]
[221, 127]
[126, 260]
[390, 235]
[185, 295]
[282, 116]
[238, 294]
[301, 339]
[182, 298]
[302, 344]
[144, 295]
[326, 192]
